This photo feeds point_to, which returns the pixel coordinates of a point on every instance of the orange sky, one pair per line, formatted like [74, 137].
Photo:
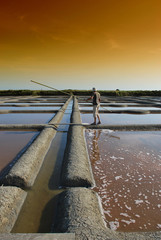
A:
[79, 44]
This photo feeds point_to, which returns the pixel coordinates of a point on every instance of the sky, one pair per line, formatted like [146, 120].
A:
[80, 44]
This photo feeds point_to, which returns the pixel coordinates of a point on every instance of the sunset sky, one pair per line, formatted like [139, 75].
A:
[80, 44]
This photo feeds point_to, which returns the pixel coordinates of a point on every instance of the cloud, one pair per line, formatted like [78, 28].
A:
[113, 44]
[63, 39]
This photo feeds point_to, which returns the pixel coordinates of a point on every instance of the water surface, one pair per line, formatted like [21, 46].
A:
[25, 118]
[127, 171]
[39, 210]
[11, 143]
[121, 108]
[29, 108]
[124, 119]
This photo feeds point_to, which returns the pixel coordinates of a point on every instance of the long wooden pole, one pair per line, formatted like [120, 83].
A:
[50, 87]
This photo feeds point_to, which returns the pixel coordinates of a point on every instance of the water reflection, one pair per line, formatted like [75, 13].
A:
[127, 172]
[95, 148]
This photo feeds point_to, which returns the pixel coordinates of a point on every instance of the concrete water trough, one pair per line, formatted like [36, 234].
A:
[24, 170]
[80, 207]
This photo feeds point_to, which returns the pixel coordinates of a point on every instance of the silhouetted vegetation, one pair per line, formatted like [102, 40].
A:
[117, 92]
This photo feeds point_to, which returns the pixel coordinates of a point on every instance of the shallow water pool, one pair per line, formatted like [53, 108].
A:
[127, 171]
[39, 104]
[29, 108]
[25, 118]
[12, 142]
[121, 108]
[124, 119]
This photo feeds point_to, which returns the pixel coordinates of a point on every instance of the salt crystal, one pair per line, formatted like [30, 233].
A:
[118, 177]
[113, 157]
[114, 225]
[128, 222]
[124, 214]
[129, 208]
[121, 158]
[138, 201]
[108, 213]
[159, 225]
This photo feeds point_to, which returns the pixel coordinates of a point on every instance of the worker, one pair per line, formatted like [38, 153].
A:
[96, 104]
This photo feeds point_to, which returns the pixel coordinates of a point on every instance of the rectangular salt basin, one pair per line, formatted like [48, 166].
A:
[122, 103]
[11, 143]
[111, 103]
[26, 118]
[30, 104]
[29, 108]
[121, 108]
[130, 108]
[127, 172]
[124, 119]
[59, 100]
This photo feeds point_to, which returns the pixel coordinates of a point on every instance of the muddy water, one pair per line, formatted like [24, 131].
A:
[11, 143]
[25, 118]
[127, 171]
[124, 119]
[39, 210]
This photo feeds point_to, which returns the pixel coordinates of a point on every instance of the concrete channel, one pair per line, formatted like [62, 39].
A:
[76, 170]
[24, 172]
[79, 211]
[39, 209]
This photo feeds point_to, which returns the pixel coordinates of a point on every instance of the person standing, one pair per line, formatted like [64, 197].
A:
[96, 104]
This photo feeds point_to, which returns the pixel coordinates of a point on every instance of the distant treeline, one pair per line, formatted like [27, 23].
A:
[79, 92]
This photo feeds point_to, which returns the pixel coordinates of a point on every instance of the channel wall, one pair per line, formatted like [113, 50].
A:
[11, 201]
[76, 169]
[25, 170]
[79, 208]
[23, 174]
